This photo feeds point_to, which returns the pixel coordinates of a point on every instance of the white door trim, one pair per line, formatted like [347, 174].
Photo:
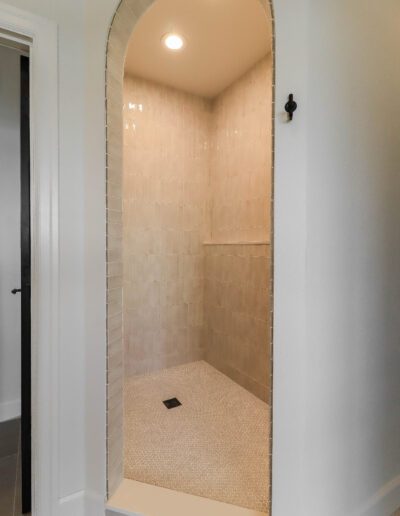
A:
[44, 233]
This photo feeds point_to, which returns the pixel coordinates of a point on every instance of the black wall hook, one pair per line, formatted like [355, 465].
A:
[290, 106]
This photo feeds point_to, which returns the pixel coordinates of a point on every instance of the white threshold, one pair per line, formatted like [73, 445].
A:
[137, 499]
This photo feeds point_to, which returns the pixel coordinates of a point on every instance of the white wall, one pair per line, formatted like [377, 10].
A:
[10, 262]
[72, 342]
[82, 33]
[337, 385]
[337, 249]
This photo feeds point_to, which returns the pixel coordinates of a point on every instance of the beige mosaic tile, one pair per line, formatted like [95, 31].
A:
[215, 445]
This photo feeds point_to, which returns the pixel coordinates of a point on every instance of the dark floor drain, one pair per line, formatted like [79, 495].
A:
[172, 403]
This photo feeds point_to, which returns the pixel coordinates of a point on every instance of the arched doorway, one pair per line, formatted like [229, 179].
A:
[125, 20]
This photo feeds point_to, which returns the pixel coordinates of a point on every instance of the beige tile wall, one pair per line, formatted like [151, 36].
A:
[166, 174]
[238, 277]
[238, 314]
[241, 158]
[197, 170]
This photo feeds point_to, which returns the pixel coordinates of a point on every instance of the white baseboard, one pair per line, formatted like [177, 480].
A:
[385, 501]
[82, 503]
[10, 410]
[95, 505]
[73, 505]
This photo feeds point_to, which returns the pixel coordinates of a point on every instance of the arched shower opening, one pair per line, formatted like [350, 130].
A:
[211, 228]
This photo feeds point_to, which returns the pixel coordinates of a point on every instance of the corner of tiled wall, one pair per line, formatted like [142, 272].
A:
[165, 187]
[237, 267]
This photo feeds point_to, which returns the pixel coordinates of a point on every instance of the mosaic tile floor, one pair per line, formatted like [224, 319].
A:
[215, 445]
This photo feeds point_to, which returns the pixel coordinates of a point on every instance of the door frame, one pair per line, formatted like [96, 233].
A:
[41, 36]
[25, 288]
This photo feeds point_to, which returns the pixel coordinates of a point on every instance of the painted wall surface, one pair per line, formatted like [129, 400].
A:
[10, 249]
[337, 254]
[165, 222]
[76, 290]
[335, 371]
[97, 15]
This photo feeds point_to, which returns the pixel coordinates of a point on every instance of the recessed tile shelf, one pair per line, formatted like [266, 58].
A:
[260, 242]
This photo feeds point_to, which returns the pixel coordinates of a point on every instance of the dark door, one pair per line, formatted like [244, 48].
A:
[25, 292]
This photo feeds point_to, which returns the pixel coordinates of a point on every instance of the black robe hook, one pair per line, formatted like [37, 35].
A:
[290, 107]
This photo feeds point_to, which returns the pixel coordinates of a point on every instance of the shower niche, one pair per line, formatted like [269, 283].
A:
[196, 252]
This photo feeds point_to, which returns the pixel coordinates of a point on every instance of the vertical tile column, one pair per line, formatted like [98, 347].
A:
[122, 25]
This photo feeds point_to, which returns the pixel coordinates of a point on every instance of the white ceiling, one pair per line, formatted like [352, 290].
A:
[224, 38]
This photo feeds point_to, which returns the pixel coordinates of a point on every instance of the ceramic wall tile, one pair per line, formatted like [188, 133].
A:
[165, 183]
[196, 170]
[237, 314]
[240, 158]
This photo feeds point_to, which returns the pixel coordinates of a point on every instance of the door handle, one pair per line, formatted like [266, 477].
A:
[15, 290]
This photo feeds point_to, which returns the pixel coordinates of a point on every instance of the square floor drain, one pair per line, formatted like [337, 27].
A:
[172, 403]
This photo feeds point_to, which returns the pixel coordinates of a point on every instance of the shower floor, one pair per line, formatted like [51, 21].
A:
[215, 445]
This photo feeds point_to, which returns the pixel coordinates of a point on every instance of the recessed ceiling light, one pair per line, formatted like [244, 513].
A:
[173, 41]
